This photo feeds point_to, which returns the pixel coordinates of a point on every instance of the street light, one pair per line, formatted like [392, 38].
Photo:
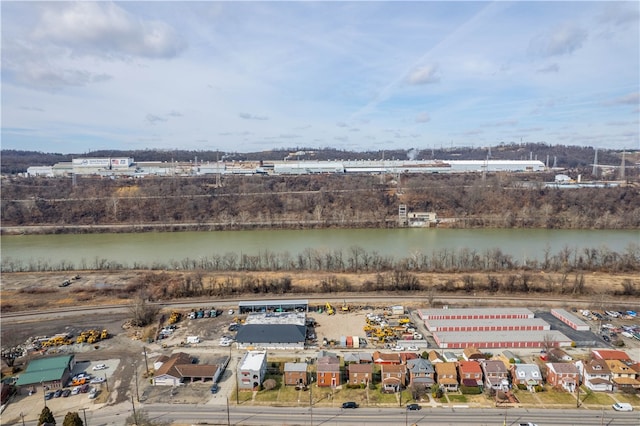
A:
[311, 398]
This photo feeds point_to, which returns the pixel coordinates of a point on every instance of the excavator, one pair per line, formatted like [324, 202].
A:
[329, 309]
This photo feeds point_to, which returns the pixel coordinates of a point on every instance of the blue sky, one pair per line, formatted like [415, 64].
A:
[253, 76]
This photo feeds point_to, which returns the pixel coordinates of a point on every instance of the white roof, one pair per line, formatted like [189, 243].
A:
[425, 313]
[253, 360]
[487, 322]
[450, 337]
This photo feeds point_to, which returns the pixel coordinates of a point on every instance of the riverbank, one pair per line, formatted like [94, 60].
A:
[37, 291]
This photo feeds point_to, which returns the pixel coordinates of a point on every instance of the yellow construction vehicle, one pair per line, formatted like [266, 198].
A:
[175, 317]
[329, 309]
[104, 334]
[404, 320]
[345, 307]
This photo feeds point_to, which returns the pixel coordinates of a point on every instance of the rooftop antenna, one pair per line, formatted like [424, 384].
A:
[594, 172]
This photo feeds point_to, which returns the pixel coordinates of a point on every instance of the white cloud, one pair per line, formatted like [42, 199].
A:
[426, 74]
[628, 99]
[562, 40]
[423, 117]
[100, 28]
[247, 116]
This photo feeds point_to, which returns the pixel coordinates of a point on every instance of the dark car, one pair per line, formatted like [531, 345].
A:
[58, 393]
[84, 388]
[48, 395]
[214, 388]
[349, 404]
[413, 407]
[66, 393]
[606, 338]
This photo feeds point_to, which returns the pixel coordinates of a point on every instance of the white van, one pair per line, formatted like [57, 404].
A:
[622, 406]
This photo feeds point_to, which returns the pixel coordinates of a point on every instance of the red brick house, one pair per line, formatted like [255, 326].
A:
[470, 373]
[394, 377]
[564, 375]
[360, 374]
[382, 358]
[295, 374]
[328, 372]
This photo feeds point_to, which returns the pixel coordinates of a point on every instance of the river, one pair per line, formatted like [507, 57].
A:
[158, 248]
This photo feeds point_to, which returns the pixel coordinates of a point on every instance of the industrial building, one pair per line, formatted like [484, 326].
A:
[274, 306]
[273, 330]
[487, 324]
[500, 339]
[126, 166]
[570, 319]
[474, 313]
[51, 372]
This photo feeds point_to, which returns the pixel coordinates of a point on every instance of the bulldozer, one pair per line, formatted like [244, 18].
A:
[345, 307]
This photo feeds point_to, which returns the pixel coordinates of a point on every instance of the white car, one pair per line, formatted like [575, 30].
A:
[413, 348]
[397, 348]
[97, 380]
[75, 390]
[622, 406]
[100, 367]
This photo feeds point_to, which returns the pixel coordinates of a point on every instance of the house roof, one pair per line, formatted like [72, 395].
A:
[45, 370]
[562, 367]
[526, 372]
[386, 357]
[472, 352]
[328, 360]
[357, 357]
[471, 367]
[271, 333]
[360, 368]
[434, 356]
[393, 368]
[618, 367]
[300, 367]
[420, 365]
[328, 368]
[196, 370]
[494, 366]
[448, 368]
[169, 367]
[610, 354]
[597, 366]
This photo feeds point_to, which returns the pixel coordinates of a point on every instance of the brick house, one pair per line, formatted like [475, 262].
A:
[564, 375]
[295, 374]
[394, 377]
[386, 358]
[470, 373]
[496, 375]
[328, 372]
[360, 374]
[421, 372]
[526, 374]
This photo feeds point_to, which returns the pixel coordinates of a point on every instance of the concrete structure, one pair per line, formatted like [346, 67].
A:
[474, 313]
[51, 372]
[487, 324]
[500, 339]
[570, 319]
[252, 369]
[295, 374]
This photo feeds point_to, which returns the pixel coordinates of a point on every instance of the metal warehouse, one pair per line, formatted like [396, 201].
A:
[488, 324]
[500, 339]
[474, 313]
[570, 319]
[274, 306]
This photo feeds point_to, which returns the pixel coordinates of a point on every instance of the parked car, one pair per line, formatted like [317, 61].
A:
[413, 407]
[99, 367]
[413, 348]
[349, 404]
[66, 393]
[97, 380]
[48, 395]
[622, 406]
[84, 388]
[57, 393]
[214, 388]
[75, 390]
[527, 424]
[606, 338]
[93, 393]
[397, 348]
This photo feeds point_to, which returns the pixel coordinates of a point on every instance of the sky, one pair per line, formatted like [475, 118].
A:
[255, 76]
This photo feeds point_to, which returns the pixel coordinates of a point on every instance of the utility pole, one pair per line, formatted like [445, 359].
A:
[105, 381]
[135, 370]
[311, 399]
[228, 415]
[135, 418]
[84, 414]
[144, 349]
[22, 415]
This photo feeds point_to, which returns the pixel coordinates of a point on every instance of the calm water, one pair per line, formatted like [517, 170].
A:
[162, 248]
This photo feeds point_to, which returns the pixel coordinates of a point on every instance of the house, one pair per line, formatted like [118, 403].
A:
[471, 353]
[526, 374]
[508, 357]
[470, 373]
[450, 357]
[360, 374]
[609, 354]
[52, 372]
[421, 372]
[623, 376]
[496, 375]
[595, 375]
[177, 368]
[558, 355]
[383, 358]
[394, 377]
[252, 370]
[407, 356]
[562, 374]
[434, 357]
[447, 375]
[295, 374]
[357, 357]
[328, 372]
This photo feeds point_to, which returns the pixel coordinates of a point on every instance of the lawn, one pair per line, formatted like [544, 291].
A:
[595, 398]
[525, 397]
[550, 396]
[457, 398]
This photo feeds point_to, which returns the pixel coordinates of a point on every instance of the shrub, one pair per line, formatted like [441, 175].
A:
[470, 390]
[538, 388]
[522, 386]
